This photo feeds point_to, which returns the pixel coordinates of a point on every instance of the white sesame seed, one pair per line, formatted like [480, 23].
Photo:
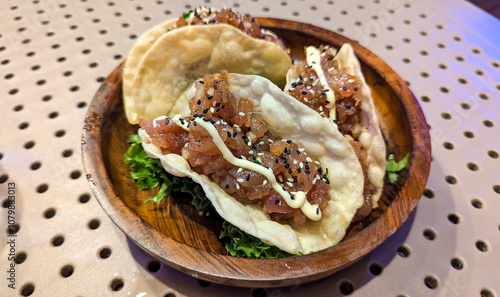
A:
[260, 161]
[280, 178]
[308, 159]
[331, 69]
[264, 182]
[270, 140]
[239, 170]
[240, 180]
[218, 122]
[237, 186]
[289, 184]
[250, 152]
[249, 143]
[295, 161]
[306, 100]
[301, 165]
[243, 157]
[290, 179]
[301, 149]
[212, 109]
[350, 80]
[293, 193]
[314, 181]
[260, 154]
[241, 113]
[316, 162]
[321, 108]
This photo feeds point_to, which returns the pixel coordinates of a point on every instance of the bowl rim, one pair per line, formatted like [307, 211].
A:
[221, 268]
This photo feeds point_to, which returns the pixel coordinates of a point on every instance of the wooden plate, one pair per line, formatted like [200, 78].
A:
[175, 234]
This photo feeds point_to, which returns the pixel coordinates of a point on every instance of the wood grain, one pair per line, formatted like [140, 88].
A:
[175, 234]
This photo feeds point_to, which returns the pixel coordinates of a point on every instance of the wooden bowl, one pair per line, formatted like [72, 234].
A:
[176, 235]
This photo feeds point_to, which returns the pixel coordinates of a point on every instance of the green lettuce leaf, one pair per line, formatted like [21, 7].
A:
[148, 173]
[393, 167]
[242, 244]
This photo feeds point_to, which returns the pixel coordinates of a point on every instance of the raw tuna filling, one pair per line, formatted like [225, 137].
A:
[247, 24]
[247, 136]
[309, 91]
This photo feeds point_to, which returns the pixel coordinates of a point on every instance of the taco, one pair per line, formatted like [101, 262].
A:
[170, 57]
[270, 166]
[333, 85]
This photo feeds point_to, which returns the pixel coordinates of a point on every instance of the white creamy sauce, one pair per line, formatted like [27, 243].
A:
[297, 201]
[313, 59]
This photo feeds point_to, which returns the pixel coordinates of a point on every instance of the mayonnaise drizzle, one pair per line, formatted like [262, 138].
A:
[314, 60]
[299, 200]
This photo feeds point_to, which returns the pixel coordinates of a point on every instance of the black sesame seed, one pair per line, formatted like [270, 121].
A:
[201, 82]
[294, 85]
[182, 121]
[199, 102]
[276, 160]
[347, 106]
[206, 120]
[292, 197]
[298, 152]
[281, 156]
[289, 170]
[330, 58]
[307, 172]
[285, 160]
[317, 210]
[306, 167]
[248, 176]
[217, 104]
[344, 88]
[228, 134]
[254, 158]
[205, 110]
[215, 87]
[212, 121]
[287, 166]
[234, 134]
[223, 105]
[300, 77]
[167, 121]
[285, 150]
[327, 180]
[277, 201]
[288, 141]
[230, 124]
[227, 186]
[209, 96]
[283, 188]
[356, 88]
[300, 83]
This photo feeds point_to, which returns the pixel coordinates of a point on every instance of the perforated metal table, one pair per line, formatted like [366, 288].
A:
[54, 54]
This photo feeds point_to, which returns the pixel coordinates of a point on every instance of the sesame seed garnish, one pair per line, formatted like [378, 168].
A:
[356, 89]
[288, 141]
[201, 82]
[290, 179]
[317, 210]
[300, 77]
[277, 201]
[199, 102]
[209, 96]
[234, 134]
[239, 170]
[264, 182]
[205, 110]
[240, 180]
[227, 186]
[308, 159]
[237, 186]
[289, 170]
[247, 177]
[167, 121]
[330, 58]
[347, 106]
[280, 178]
[289, 184]
[294, 85]
[215, 87]
[307, 171]
[212, 109]
[316, 162]
[292, 197]
[241, 113]
[228, 134]
[250, 152]
[287, 166]
[261, 143]
[344, 88]
[217, 104]
[270, 140]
